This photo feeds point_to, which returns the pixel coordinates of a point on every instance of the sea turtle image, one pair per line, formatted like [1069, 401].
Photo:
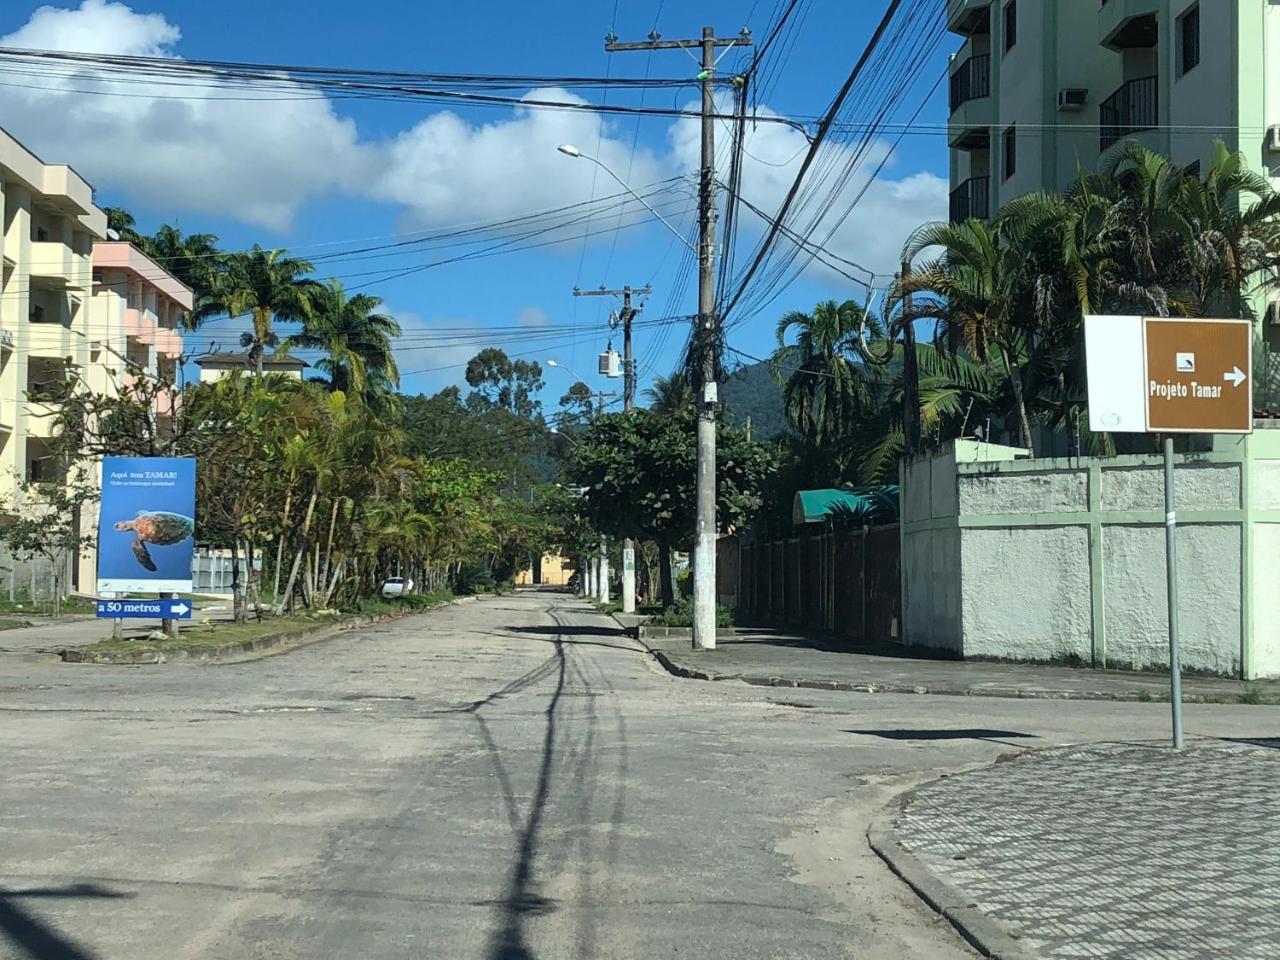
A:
[158, 527]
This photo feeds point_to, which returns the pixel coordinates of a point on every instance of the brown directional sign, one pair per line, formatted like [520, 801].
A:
[1199, 375]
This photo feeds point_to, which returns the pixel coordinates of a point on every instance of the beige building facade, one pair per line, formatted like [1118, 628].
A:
[50, 225]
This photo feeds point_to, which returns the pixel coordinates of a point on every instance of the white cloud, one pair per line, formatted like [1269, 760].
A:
[257, 161]
[447, 170]
[874, 233]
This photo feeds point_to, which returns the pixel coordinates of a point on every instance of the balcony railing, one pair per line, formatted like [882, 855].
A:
[971, 200]
[1134, 107]
[971, 81]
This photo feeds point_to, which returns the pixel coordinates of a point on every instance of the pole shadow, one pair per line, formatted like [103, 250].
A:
[39, 939]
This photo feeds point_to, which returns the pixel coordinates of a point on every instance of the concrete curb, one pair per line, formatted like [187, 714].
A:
[246, 649]
[987, 936]
[675, 667]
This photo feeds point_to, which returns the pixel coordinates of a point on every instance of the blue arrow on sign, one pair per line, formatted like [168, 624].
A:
[145, 609]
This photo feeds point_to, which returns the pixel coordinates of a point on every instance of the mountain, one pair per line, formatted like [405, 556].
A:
[752, 393]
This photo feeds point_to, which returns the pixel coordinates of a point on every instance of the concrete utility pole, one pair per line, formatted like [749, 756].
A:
[707, 335]
[628, 313]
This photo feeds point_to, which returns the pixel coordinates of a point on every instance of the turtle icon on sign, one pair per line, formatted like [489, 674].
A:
[1186, 362]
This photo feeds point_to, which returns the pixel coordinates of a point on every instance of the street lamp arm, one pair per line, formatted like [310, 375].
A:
[571, 151]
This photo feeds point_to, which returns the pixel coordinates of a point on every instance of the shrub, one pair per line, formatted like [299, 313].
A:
[681, 615]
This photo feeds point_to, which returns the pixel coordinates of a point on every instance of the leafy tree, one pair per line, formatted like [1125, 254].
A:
[45, 521]
[499, 382]
[639, 472]
[578, 404]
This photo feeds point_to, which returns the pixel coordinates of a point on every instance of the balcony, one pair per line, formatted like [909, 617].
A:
[972, 110]
[53, 262]
[168, 343]
[969, 17]
[1131, 109]
[971, 200]
[1126, 24]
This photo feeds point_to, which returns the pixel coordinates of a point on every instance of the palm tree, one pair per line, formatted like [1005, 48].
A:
[979, 289]
[193, 259]
[265, 284]
[670, 396]
[824, 387]
[358, 341]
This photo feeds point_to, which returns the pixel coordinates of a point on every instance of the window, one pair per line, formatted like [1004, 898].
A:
[1010, 24]
[36, 313]
[1189, 40]
[42, 235]
[1010, 151]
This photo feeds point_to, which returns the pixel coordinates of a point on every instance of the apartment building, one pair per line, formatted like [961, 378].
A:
[50, 224]
[136, 315]
[1042, 87]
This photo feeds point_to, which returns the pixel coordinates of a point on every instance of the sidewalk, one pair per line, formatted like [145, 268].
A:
[1113, 850]
[785, 660]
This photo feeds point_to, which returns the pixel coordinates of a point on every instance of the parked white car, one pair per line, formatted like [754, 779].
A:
[396, 587]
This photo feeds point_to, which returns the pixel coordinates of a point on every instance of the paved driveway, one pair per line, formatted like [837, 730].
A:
[505, 779]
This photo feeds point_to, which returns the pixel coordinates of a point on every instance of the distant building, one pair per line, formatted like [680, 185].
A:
[552, 570]
[215, 366]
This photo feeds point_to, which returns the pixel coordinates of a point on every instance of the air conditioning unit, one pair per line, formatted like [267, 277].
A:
[1072, 99]
[610, 364]
[1273, 313]
[1273, 138]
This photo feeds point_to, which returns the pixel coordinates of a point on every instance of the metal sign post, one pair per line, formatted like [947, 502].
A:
[1169, 375]
[1171, 572]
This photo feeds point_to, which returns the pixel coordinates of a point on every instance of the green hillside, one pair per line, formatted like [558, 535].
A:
[752, 392]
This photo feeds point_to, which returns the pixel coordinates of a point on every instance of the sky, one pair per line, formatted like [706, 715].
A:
[321, 175]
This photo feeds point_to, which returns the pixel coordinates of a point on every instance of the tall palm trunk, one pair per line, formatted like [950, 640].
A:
[297, 557]
[1014, 372]
[288, 505]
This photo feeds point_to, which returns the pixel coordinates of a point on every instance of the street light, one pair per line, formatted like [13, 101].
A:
[569, 150]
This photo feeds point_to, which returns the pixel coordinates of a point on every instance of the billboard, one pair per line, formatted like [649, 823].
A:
[146, 524]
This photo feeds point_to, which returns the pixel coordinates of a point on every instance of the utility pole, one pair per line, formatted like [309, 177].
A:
[628, 313]
[707, 335]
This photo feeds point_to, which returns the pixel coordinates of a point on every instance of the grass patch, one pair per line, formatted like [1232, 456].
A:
[1255, 697]
[40, 608]
[7, 624]
[222, 633]
[213, 635]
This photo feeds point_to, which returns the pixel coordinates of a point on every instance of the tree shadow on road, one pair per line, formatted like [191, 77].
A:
[36, 938]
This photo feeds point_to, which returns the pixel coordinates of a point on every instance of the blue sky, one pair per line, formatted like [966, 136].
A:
[313, 176]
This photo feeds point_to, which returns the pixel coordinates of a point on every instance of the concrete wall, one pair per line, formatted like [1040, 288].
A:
[1064, 560]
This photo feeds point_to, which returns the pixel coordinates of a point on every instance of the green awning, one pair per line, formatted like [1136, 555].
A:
[872, 504]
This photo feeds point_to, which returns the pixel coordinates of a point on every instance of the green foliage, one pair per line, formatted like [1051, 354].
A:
[266, 284]
[44, 521]
[357, 341]
[752, 395]
[639, 472]
[499, 382]
[681, 615]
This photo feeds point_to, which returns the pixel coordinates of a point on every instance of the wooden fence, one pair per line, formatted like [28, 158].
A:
[844, 582]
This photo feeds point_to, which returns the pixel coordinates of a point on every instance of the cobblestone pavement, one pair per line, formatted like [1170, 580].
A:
[1115, 850]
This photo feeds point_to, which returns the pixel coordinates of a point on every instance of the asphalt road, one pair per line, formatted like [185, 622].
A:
[505, 779]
